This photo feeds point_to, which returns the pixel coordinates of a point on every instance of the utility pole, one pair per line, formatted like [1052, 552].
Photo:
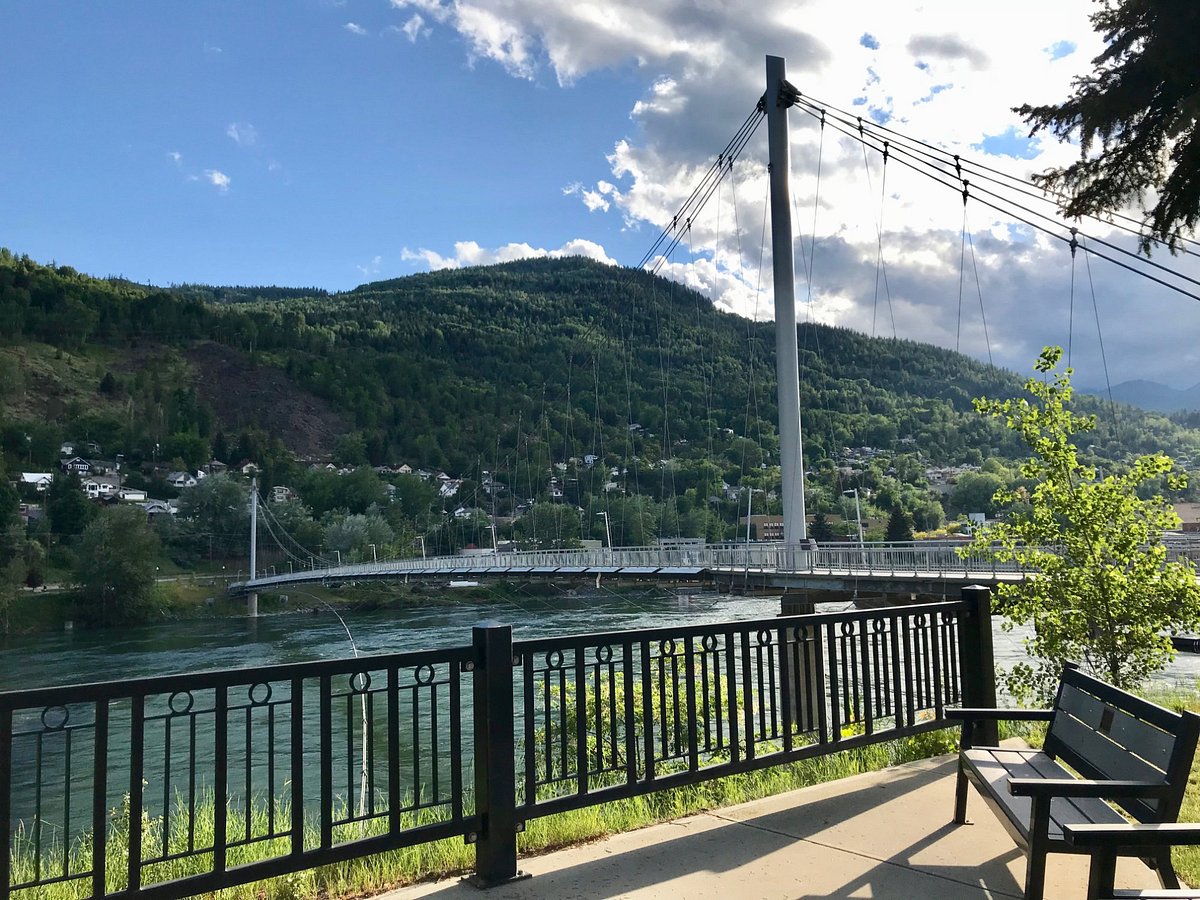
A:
[252, 596]
[253, 528]
[779, 96]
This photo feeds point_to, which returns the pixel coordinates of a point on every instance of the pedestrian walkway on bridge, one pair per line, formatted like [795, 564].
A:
[884, 835]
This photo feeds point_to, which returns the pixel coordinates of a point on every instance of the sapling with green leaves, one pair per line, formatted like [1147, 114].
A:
[1100, 589]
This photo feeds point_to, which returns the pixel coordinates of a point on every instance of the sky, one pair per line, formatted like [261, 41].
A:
[328, 143]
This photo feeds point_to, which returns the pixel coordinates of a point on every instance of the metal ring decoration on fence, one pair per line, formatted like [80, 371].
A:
[360, 682]
[257, 698]
[879, 625]
[800, 634]
[764, 637]
[424, 674]
[667, 647]
[709, 642]
[947, 617]
[554, 659]
[847, 629]
[604, 654]
[55, 718]
[186, 700]
[919, 620]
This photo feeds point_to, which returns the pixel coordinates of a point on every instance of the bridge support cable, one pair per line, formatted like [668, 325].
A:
[1112, 406]
[307, 557]
[681, 221]
[779, 96]
[949, 174]
[880, 264]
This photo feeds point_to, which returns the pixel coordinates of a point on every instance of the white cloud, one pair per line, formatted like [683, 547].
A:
[176, 157]
[242, 133]
[355, 28]
[469, 253]
[941, 76]
[372, 268]
[217, 179]
[415, 27]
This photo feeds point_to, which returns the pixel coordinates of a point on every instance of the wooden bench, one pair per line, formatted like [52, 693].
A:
[1106, 751]
[1107, 842]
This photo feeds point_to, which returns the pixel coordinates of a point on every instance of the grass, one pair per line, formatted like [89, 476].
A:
[371, 874]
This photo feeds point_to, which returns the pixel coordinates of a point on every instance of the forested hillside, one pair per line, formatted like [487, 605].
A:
[513, 374]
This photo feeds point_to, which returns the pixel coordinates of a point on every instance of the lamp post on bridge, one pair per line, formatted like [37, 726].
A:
[607, 529]
[857, 514]
[421, 538]
[374, 555]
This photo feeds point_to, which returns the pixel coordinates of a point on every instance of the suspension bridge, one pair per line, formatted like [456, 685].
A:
[794, 564]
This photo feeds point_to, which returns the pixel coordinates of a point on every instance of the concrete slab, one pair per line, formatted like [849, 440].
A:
[882, 835]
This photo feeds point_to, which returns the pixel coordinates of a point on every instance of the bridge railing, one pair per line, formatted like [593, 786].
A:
[169, 787]
[922, 557]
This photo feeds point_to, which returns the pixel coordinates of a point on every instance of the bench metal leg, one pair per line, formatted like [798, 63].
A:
[1166, 871]
[1102, 875]
[1035, 869]
[960, 796]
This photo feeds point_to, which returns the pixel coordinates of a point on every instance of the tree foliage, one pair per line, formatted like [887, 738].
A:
[1104, 594]
[1141, 104]
[115, 570]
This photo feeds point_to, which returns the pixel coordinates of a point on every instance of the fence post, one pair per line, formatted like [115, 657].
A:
[978, 661]
[495, 760]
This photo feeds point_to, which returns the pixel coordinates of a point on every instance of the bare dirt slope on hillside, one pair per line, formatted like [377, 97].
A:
[242, 394]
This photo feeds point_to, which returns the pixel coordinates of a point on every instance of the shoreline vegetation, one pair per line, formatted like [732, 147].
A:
[451, 857]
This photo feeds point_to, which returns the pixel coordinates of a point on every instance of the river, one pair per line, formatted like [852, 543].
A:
[176, 646]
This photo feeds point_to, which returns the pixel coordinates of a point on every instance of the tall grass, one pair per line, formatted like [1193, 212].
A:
[446, 857]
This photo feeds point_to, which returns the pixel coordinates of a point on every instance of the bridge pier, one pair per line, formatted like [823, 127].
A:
[252, 604]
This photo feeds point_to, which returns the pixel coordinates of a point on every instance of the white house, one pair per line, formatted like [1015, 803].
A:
[179, 480]
[40, 480]
[132, 495]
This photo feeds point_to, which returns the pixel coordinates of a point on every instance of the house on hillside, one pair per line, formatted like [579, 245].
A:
[101, 487]
[246, 467]
[180, 480]
[131, 495]
[449, 487]
[76, 464]
[1189, 515]
[281, 493]
[39, 480]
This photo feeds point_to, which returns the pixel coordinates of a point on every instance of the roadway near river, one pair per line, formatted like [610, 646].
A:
[313, 632]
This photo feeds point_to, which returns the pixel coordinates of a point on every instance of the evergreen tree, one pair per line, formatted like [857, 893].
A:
[1140, 103]
[67, 506]
[820, 530]
[899, 525]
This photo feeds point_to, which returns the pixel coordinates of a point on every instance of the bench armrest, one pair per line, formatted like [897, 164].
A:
[1010, 715]
[1081, 787]
[1170, 834]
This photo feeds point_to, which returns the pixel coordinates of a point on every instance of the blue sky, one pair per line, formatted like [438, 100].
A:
[333, 142]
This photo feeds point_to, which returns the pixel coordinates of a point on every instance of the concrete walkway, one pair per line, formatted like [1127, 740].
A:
[881, 835]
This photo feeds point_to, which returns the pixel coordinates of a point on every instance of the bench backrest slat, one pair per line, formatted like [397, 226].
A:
[1105, 733]
[1136, 735]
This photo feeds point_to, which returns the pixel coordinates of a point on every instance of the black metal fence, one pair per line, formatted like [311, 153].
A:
[245, 774]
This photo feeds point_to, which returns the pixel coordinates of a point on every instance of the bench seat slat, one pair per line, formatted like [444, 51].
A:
[1138, 737]
[995, 766]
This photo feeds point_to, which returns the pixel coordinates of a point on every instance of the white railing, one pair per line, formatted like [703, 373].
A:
[939, 558]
